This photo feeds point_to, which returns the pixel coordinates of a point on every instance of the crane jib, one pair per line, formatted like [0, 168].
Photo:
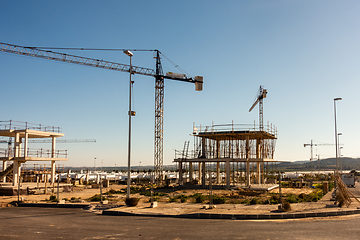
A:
[62, 57]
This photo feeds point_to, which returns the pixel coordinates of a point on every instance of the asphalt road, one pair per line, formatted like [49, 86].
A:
[356, 190]
[52, 223]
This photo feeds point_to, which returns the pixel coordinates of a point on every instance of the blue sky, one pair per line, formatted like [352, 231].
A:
[305, 53]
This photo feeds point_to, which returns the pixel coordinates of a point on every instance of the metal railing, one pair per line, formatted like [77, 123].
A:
[270, 128]
[40, 153]
[17, 125]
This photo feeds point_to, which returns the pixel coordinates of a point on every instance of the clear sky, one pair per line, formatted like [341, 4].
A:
[305, 53]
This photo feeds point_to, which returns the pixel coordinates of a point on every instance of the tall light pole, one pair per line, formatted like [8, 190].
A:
[95, 164]
[130, 54]
[339, 152]
[336, 136]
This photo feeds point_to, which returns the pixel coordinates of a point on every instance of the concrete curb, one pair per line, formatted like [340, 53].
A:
[53, 205]
[237, 216]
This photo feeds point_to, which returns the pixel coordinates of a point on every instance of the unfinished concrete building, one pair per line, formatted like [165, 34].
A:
[234, 154]
[18, 151]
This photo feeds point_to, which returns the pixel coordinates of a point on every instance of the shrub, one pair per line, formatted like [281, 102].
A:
[73, 198]
[286, 206]
[274, 199]
[291, 198]
[302, 196]
[219, 200]
[246, 201]
[134, 190]
[113, 191]
[254, 201]
[199, 198]
[183, 198]
[53, 198]
[314, 197]
[132, 202]
[172, 199]
[96, 198]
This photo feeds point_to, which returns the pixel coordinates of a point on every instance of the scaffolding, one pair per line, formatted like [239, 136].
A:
[238, 153]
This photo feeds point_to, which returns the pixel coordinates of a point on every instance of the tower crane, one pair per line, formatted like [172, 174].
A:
[259, 99]
[157, 74]
[311, 145]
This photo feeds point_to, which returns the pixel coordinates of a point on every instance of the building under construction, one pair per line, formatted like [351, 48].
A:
[233, 154]
[18, 152]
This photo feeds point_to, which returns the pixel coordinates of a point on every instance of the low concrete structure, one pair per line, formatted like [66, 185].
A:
[18, 151]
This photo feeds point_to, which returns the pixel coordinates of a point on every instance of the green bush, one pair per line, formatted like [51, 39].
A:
[96, 198]
[183, 198]
[274, 199]
[172, 199]
[254, 201]
[314, 197]
[113, 191]
[53, 198]
[73, 198]
[291, 198]
[134, 190]
[219, 200]
[199, 198]
[245, 201]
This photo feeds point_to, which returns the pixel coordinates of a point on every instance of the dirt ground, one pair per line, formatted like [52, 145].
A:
[82, 193]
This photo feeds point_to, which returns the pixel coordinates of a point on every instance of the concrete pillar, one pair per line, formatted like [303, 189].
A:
[227, 169]
[200, 178]
[16, 172]
[203, 174]
[247, 174]
[52, 172]
[203, 147]
[217, 149]
[217, 173]
[257, 148]
[53, 145]
[26, 144]
[180, 174]
[190, 172]
[4, 166]
[258, 173]
[16, 145]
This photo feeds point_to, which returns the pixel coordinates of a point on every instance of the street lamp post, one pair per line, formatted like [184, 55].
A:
[95, 164]
[339, 152]
[130, 54]
[336, 135]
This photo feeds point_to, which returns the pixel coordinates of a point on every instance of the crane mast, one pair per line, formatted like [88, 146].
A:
[157, 73]
[159, 120]
[259, 99]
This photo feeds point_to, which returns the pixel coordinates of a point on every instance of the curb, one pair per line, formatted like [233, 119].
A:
[53, 205]
[237, 216]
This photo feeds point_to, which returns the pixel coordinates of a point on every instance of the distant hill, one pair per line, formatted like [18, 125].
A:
[324, 164]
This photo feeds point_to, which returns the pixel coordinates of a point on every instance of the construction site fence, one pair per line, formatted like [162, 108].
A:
[17, 125]
[270, 128]
[40, 153]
